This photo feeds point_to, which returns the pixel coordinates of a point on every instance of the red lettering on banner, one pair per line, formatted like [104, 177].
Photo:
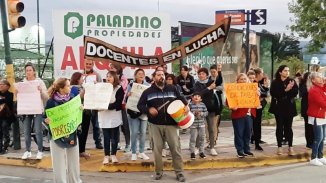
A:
[158, 51]
[81, 58]
[69, 59]
[102, 65]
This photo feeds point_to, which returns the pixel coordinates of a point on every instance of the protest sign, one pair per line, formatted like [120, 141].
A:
[242, 95]
[29, 99]
[136, 91]
[65, 118]
[97, 95]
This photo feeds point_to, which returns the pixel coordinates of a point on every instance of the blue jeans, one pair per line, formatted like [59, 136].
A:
[318, 143]
[37, 119]
[137, 126]
[242, 133]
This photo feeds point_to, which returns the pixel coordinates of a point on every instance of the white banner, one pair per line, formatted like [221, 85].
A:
[97, 96]
[136, 91]
[29, 99]
[140, 33]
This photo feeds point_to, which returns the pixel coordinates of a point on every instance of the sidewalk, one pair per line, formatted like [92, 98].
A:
[225, 147]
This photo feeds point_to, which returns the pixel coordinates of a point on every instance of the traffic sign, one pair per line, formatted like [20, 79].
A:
[237, 16]
[258, 17]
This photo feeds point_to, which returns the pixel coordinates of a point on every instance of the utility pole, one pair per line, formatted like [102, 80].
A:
[247, 40]
[5, 30]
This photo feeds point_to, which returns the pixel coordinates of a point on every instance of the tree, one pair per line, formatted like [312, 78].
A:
[295, 65]
[310, 21]
[284, 46]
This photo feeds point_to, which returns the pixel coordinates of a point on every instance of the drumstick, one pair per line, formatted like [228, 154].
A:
[159, 108]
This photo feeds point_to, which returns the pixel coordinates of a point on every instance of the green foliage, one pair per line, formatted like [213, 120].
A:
[310, 21]
[295, 65]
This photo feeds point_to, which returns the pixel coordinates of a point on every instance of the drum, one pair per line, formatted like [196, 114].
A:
[177, 111]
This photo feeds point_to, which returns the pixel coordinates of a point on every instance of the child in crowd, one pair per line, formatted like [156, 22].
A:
[197, 129]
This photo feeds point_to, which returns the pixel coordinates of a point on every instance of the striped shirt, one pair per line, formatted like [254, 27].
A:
[201, 118]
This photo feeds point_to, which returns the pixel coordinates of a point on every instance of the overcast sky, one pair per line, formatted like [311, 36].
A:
[197, 11]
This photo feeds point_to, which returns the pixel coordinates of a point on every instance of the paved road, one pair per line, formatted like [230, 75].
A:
[294, 173]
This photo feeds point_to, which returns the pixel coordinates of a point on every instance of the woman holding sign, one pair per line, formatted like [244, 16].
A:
[32, 81]
[64, 151]
[242, 124]
[111, 119]
[137, 121]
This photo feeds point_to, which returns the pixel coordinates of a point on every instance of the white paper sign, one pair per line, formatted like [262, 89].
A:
[97, 96]
[91, 78]
[29, 99]
[136, 91]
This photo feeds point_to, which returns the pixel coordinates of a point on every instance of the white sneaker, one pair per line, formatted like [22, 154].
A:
[213, 152]
[143, 156]
[316, 162]
[322, 160]
[133, 157]
[27, 155]
[39, 155]
[106, 160]
[114, 159]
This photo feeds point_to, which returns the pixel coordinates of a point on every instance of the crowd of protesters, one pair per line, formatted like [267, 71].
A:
[203, 96]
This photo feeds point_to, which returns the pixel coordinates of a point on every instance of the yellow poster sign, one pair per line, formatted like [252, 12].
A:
[242, 95]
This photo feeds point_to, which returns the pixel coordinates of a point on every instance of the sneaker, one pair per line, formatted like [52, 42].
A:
[39, 155]
[279, 151]
[158, 175]
[316, 162]
[106, 160]
[133, 157]
[248, 153]
[181, 177]
[3, 151]
[99, 146]
[202, 155]
[143, 156]
[27, 155]
[291, 151]
[114, 159]
[163, 153]
[259, 148]
[213, 152]
[192, 156]
[85, 155]
[322, 160]
[127, 149]
[241, 155]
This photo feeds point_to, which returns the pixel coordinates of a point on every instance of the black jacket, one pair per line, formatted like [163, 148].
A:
[208, 96]
[283, 103]
[303, 92]
[189, 82]
[7, 98]
[156, 97]
[263, 93]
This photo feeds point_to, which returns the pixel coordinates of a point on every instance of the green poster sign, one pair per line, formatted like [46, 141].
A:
[65, 118]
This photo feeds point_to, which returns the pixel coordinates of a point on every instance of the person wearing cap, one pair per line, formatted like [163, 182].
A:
[6, 114]
[154, 102]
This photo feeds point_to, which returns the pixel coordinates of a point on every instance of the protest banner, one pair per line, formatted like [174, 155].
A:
[242, 95]
[65, 118]
[29, 99]
[96, 49]
[97, 95]
[136, 91]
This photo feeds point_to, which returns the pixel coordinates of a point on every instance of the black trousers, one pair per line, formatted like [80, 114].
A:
[284, 126]
[89, 116]
[111, 140]
[308, 131]
[125, 127]
[4, 134]
[256, 136]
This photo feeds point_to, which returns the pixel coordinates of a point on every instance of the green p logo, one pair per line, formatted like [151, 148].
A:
[73, 25]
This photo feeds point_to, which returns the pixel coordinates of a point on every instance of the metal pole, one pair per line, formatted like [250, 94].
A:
[38, 40]
[247, 40]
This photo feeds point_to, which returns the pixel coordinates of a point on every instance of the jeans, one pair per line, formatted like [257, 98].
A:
[211, 128]
[284, 124]
[111, 139]
[137, 126]
[197, 133]
[37, 119]
[242, 133]
[4, 134]
[318, 144]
